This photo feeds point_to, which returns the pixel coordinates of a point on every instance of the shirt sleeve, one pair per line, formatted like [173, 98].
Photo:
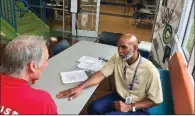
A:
[51, 108]
[108, 68]
[154, 88]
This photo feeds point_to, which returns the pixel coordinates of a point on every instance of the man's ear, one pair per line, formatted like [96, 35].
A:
[135, 48]
[33, 66]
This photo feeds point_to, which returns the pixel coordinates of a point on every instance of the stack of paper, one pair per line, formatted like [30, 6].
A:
[73, 76]
[94, 67]
[88, 59]
[90, 64]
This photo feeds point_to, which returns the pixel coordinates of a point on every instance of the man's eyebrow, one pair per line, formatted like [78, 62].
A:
[123, 46]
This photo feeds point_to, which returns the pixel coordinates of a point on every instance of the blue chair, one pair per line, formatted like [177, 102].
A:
[59, 47]
[166, 107]
[109, 38]
[144, 54]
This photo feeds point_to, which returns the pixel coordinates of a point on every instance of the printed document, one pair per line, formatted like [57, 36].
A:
[88, 59]
[73, 76]
[94, 67]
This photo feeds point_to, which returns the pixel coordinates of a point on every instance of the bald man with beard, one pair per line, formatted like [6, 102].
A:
[137, 82]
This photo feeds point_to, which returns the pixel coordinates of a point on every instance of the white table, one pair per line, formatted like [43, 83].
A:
[66, 61]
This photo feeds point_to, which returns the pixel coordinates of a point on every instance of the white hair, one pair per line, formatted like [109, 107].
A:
[21, 51]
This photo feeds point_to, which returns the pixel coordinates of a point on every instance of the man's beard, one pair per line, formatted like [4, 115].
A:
[127, 57]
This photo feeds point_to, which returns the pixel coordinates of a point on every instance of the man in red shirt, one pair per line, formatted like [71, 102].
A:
[24, 60]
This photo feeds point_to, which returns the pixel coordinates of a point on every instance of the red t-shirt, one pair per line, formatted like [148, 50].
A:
[18, 97]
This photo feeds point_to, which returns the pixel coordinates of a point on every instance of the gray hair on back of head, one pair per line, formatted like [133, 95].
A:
[20, 52]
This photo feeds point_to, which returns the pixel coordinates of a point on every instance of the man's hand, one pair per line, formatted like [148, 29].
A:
[122, 107]
[71, 93]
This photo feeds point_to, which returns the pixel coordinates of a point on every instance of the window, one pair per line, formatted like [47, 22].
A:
[188, 40]
[184, 20]
[193, 73]
[184, 38]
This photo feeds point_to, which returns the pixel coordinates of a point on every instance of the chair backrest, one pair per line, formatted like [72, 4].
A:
[166, 107]
[182, 85]
[150, 5]
[129, 1]
[60, 46]
[109, 38]
[144, 54]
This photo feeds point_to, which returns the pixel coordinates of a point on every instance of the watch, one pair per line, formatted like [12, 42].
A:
[133, 108]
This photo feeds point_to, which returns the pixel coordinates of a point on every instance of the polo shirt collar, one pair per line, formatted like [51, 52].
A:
[12, 80]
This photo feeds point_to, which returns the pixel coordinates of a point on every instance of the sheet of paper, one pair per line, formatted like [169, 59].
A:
[73, 76]
[88, 59]
[94, 67]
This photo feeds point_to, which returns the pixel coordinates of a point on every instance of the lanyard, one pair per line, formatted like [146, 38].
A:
[124, 75]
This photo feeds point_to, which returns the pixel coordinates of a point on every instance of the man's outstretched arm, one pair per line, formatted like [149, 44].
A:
[95, 79]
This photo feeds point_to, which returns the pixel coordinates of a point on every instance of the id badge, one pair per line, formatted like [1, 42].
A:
[128, 100]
